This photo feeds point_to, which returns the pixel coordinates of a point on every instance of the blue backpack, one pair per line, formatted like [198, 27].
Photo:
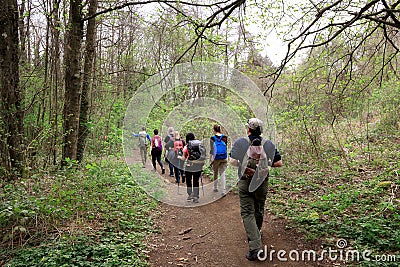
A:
[219, 148]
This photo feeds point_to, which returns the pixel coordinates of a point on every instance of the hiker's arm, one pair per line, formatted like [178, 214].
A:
[183, 157]
[277, 164]
[211, 149]
[238, 150]
[135, 134]
[185, 154]
[277, 159]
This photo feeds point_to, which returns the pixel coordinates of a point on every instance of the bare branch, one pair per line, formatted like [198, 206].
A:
[149, 2]
[210, 24]
[296, 44]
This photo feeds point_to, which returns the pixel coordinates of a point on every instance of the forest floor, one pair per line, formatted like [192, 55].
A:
[213, 235]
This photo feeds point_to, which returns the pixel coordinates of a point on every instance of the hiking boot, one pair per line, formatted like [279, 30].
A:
[215, 189]
[189, 198]
[195, 200]
[253, 255]
[163, 171]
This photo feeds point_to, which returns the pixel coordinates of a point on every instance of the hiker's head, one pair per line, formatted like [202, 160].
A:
[189, 137]
[254, 126]
[155, 131]
[144, 128]
[177, 135]
[171, 130]
[217, 128]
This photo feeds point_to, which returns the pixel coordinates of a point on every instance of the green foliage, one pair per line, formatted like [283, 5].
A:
[107, 249]
[360, 205]
[96, 216]
[386, 103]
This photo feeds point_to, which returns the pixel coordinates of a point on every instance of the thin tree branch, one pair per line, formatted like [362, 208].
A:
[149, 2]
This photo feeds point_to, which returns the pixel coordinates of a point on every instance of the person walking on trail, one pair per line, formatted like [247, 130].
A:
[156, 151]
[219, 157]
[174, 149]
[143, 141]
[250, 154]
[166, 140]
[194, 153]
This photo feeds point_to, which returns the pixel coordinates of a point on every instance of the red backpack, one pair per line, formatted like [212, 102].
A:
[178, 147]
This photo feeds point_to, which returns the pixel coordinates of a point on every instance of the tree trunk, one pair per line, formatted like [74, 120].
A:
[11, 97]
[56, 77]
[22, 33]
[72, 61]
[88, 69]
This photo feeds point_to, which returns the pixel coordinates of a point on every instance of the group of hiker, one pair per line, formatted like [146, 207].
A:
[186, 158]
[252, 154]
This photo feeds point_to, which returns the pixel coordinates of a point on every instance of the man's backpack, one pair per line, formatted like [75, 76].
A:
[219, 147]
[142, 139]
[196, 150]
[178, 147]
[256, 163]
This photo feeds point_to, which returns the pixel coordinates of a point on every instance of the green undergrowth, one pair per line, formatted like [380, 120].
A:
[360, 204]
[91, 216]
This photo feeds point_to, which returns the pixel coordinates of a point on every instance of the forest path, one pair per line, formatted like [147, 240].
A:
[216, 236]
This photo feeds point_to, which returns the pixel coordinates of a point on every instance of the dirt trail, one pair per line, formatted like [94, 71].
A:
[217, 236]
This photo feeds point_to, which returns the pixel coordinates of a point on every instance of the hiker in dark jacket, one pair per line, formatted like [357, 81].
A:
[252, 200]
[193, 170]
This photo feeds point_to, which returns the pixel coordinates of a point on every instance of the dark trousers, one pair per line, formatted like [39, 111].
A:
[179, 174]
[192, 180]
[171, 168]
[156, 156]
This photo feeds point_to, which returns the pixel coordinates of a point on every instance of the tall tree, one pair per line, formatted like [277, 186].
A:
[87, 74]
[11, 111]
[72, 62]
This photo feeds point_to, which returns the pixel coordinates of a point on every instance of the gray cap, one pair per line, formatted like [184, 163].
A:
[253, 123]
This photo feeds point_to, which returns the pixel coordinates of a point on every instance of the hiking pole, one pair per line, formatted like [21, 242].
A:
[179, 174]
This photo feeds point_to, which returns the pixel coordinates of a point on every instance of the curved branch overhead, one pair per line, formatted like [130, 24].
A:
[337, 18]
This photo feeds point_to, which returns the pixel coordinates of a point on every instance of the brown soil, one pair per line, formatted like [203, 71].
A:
[216, 237]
